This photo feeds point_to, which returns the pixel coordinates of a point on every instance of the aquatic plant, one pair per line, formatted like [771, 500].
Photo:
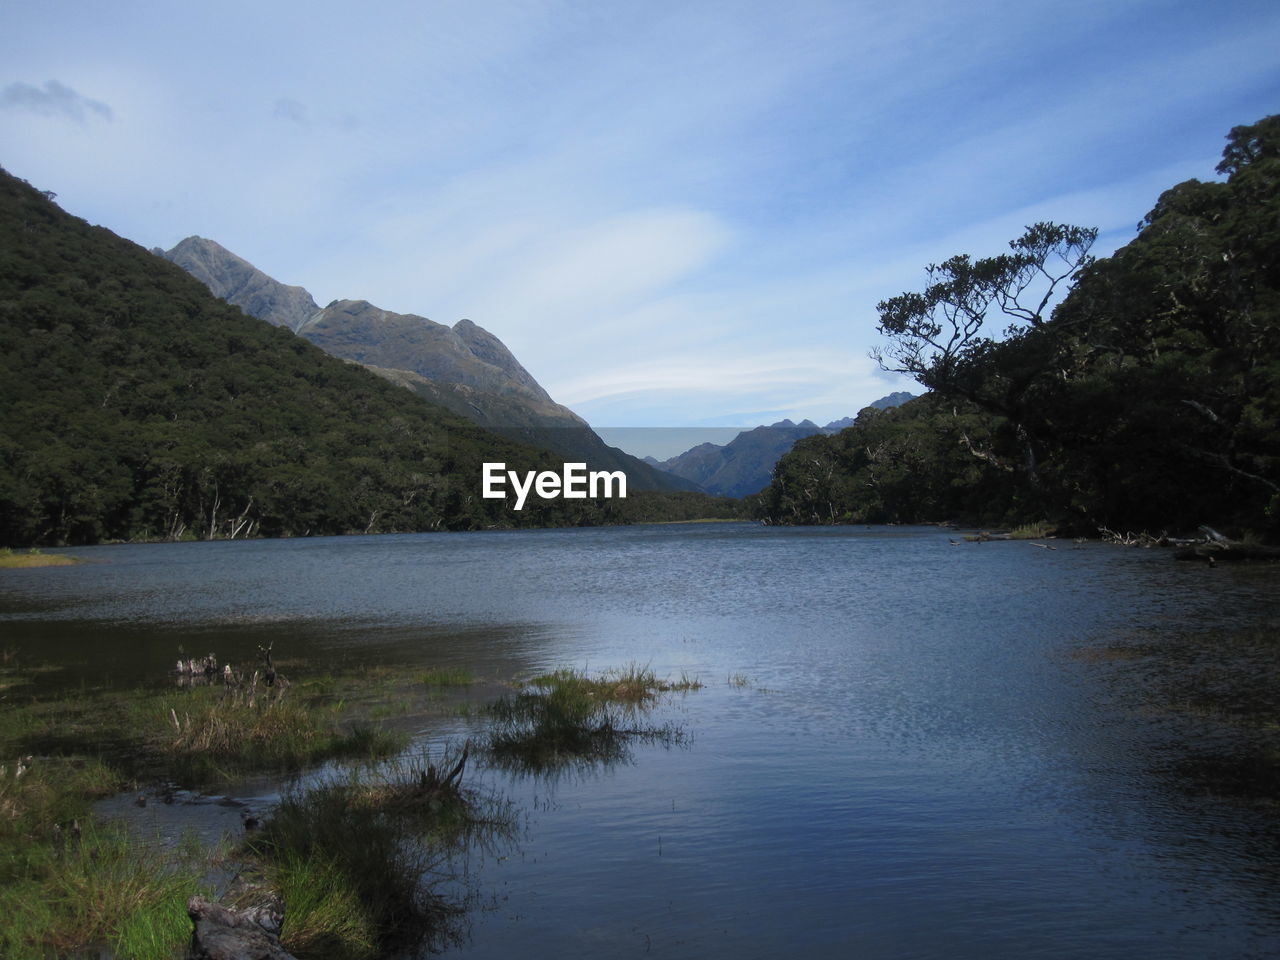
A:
[566, 718]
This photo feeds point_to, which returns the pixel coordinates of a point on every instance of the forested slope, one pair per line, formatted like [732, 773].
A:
[1148, 399]
[134, 404]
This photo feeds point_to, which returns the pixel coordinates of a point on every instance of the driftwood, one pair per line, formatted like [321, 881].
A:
[194, 672]
[270, 674]
[224, 934]
[1218, 548]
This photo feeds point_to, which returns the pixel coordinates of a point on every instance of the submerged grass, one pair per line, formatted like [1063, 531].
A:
[194, 736]
[354, 860]
[1225, 686]
[446, 677]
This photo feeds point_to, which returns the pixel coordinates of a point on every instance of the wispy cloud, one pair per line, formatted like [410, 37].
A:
[291, 110]
[672, 212]
[54, 99]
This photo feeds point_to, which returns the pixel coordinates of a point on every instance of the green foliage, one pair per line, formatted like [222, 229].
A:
[925, 460]
[1147, 400]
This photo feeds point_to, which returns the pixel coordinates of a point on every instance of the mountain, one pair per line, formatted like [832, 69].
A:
[240, 282]
[896, 399]
[136, 405]
[463, 368]
[745, 464]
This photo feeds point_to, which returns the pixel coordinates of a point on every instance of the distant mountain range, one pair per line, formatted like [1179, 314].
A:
[463, 368]
[745, 464]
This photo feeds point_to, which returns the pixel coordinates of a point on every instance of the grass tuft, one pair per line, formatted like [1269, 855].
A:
[352, 859]
[566, 718]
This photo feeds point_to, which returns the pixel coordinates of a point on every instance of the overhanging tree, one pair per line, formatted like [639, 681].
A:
[940, 336]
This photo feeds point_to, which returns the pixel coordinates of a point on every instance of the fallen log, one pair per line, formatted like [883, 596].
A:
[224, 934]
[1219, 548]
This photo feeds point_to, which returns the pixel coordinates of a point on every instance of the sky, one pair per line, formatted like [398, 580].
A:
[675, 214]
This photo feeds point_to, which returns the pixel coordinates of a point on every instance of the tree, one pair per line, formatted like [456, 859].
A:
[937, 336]
[933, 332]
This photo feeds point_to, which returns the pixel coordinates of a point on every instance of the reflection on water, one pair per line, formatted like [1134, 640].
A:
[917, 766]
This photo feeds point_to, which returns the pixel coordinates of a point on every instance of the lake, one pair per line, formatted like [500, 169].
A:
[903, 748]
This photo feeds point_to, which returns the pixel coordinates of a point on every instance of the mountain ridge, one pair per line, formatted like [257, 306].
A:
[745, 464]
[463, 367]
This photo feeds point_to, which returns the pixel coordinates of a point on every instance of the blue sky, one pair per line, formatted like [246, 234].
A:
[675, 214]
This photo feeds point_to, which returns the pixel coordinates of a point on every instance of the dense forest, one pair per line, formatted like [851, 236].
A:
[135, 405]
[1148, 398]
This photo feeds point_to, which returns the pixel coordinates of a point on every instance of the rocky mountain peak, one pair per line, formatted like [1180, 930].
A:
[240, 282]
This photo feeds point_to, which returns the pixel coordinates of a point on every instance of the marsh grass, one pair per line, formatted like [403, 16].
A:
[1032, 531]
[632, 685]
[38, 792]
[568, 719]
[446, 677]
[355, 857]
[33, 558]
[101, 887]
[353, 860]
[222, 737]
[15, 673]
[194, 736]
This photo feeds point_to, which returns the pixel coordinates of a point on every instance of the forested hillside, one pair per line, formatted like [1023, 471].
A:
[1148, 399]
[136, 405]
[463, 368]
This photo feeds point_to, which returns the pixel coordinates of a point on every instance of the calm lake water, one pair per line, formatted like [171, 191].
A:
[923, 762]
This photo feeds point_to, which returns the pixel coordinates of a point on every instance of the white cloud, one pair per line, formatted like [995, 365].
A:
[53, 100]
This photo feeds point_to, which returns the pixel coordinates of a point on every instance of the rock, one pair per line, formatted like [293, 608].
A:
[224, 934]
